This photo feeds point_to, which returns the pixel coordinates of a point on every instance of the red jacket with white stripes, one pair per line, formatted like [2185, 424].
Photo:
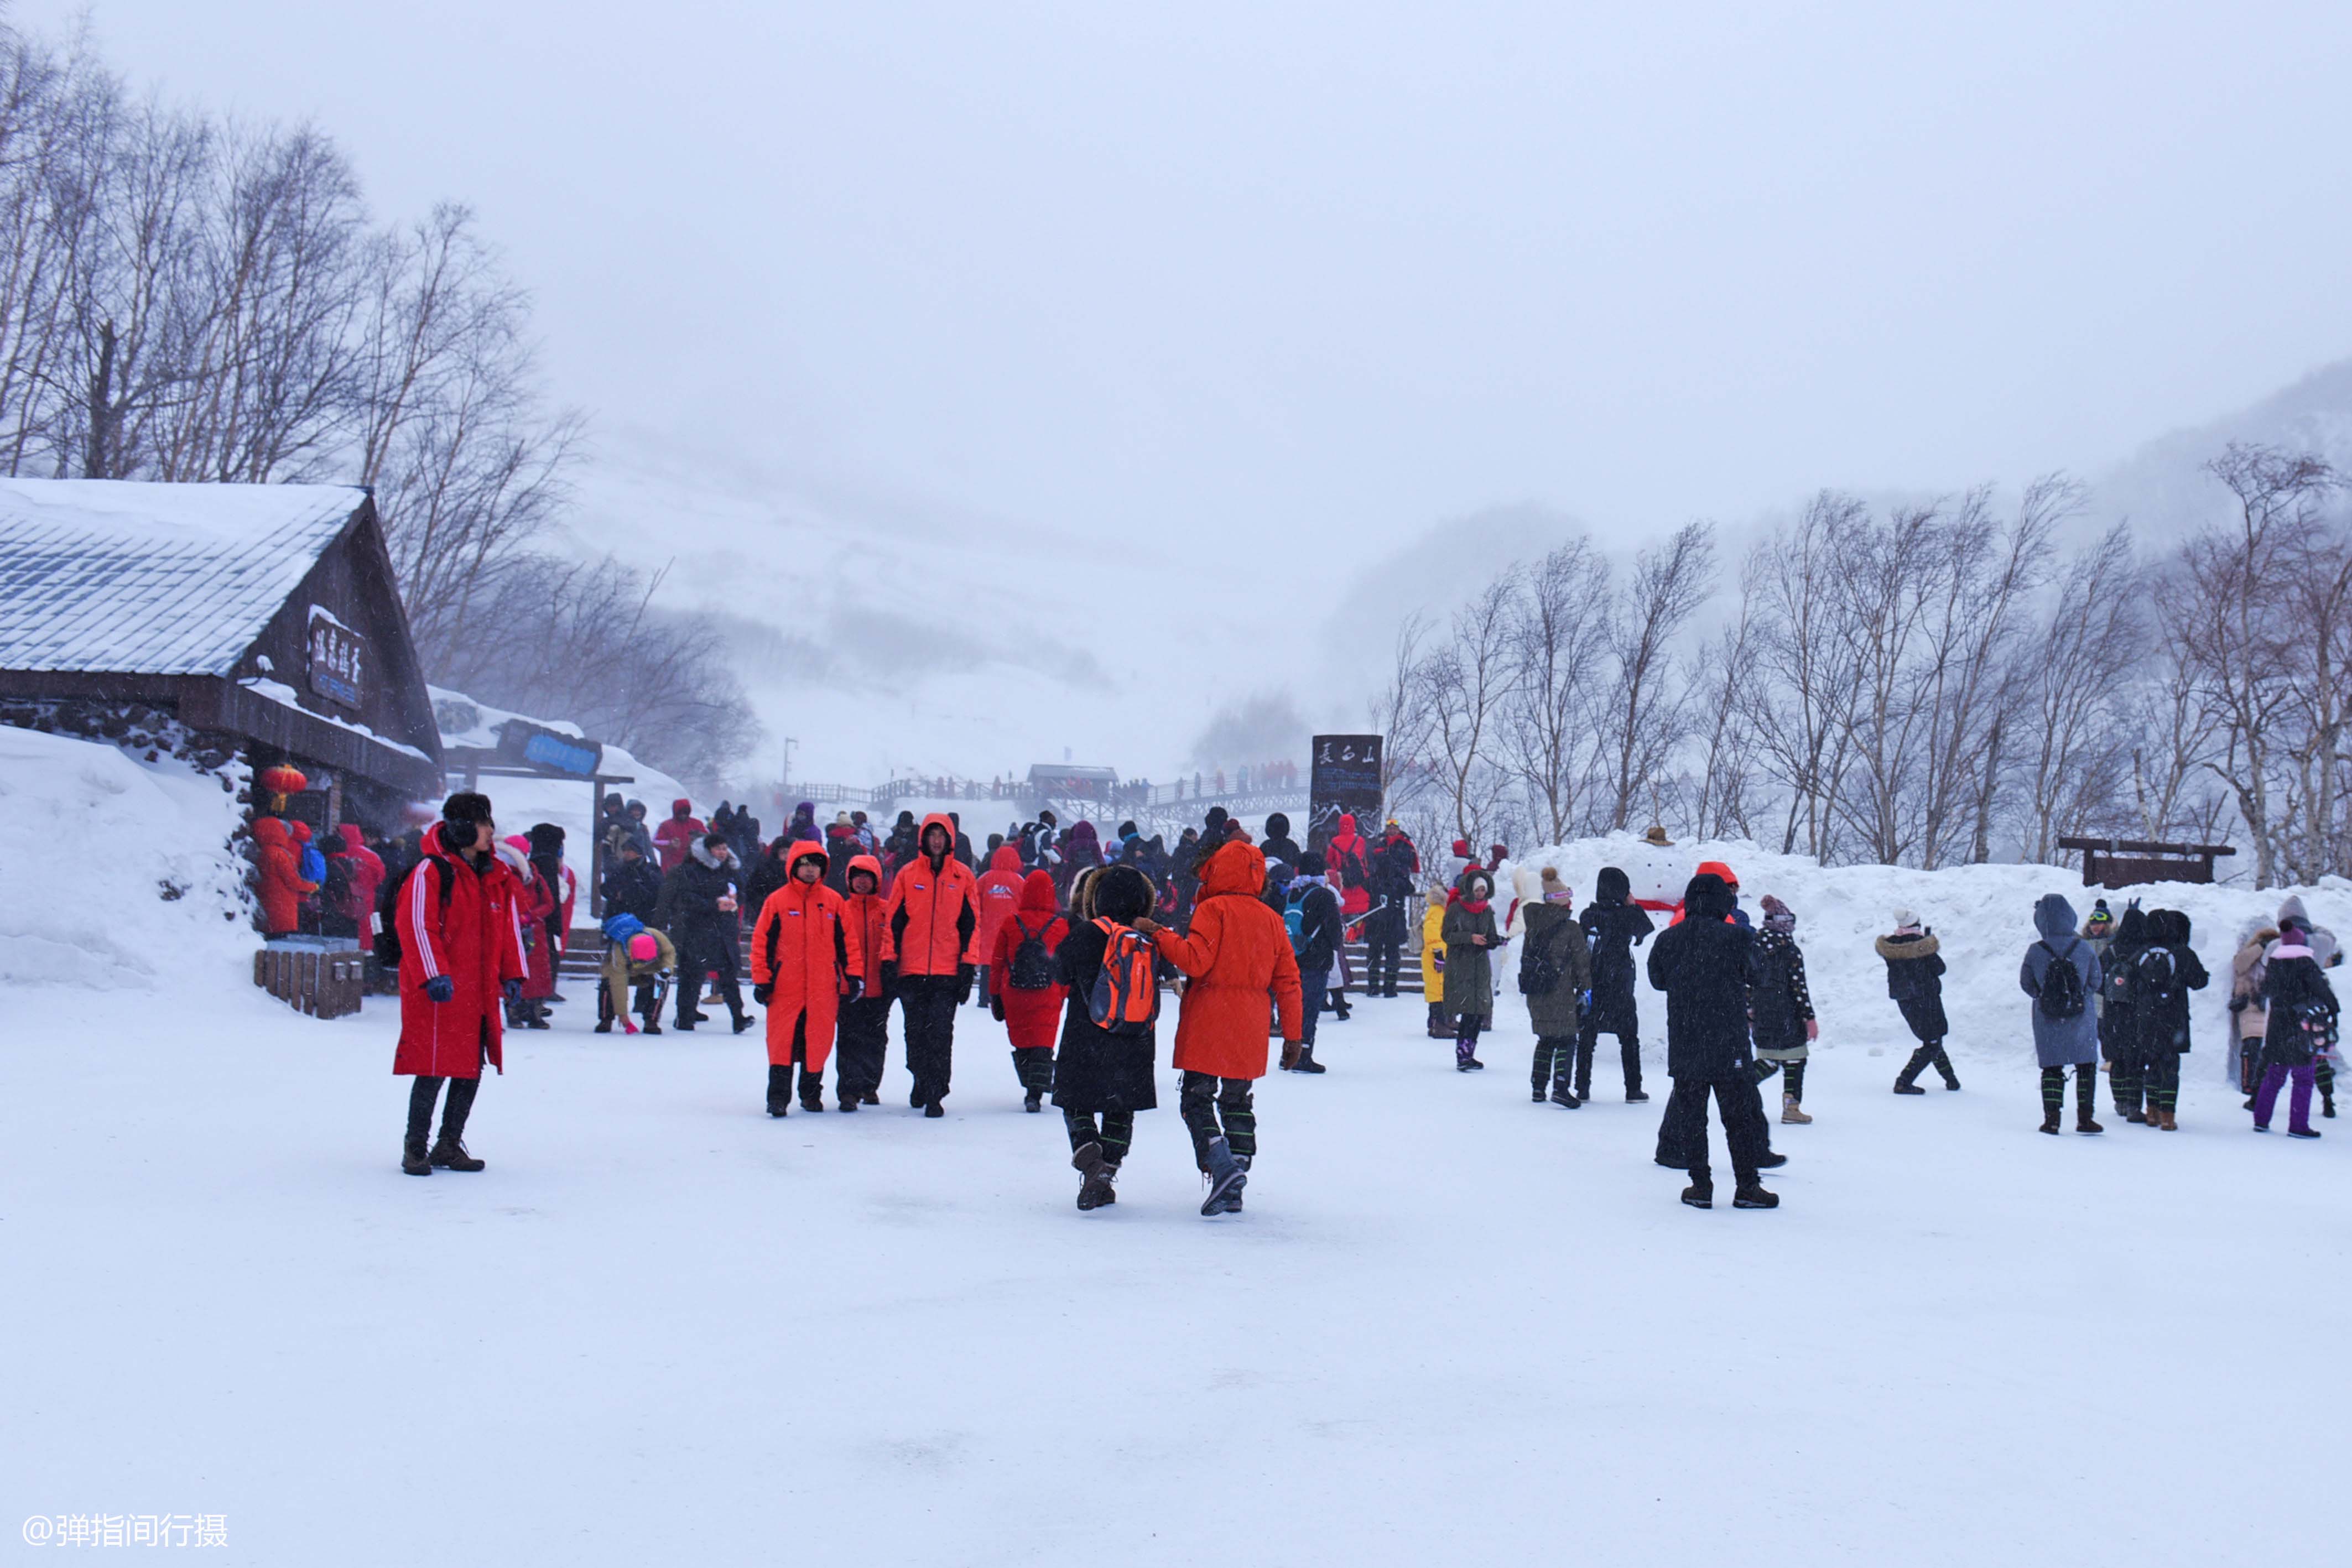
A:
[474, 935]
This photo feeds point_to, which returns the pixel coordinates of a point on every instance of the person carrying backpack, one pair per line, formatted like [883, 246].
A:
[1555, 971]
[1029, 993]
[1102, 1073]
[1238, 956]
[1914, 979]
[2303, 1020]
[2062, 973]
[636, 958]
[1311, 919]
[2164, 974]
[2118, 1020]
[1000, 893]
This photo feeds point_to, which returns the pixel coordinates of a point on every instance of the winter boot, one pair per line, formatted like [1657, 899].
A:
[2298, 1132]
[2083, 1123]
[653, 1026]
[2327, 1106]
[869, 1098]
[1792, 1113]
[1541, 1095]
[779, 1105]
[1094, 1190]
[450, 1156]
[1032, 1102]
[1233, 1198]
[2169, 1124]
[1307, 1063]
[1462, 1059]
[1770, 1160]
[1699, 1195]
[934, 1109]
[2050, 1123]
[1227, 1176]
[1751, 1195]
[1563, 1096]
[1904, 1081]
[603, 1026]
[412, 1158]
[848, 1103]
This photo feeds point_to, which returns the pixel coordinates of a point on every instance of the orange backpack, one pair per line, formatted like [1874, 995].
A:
[1125, 999]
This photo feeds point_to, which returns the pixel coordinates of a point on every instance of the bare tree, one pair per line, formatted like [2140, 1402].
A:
[1549, 736]
[2073, 682]
[1669, 584]
[1466, 680]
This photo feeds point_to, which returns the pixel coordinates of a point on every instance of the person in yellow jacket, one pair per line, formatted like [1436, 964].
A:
[1433, 959]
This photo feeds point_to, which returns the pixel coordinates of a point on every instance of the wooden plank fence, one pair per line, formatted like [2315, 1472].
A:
[321, 984]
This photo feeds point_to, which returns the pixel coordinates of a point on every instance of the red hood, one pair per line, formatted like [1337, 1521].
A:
[1716, 868]
[1037, 894]
[353, 838]
[1346, 833]
[301, 831]
[1007, 860]
[1237, 867]
[269, 831]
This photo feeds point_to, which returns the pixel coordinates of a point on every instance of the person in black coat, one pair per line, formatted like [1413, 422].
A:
[1394, 865]
[1277, 844]
[1914, 978]
[1097, 1073]
[700, 908]
[1706, 966]
[1317, 949]
[2163, 974]
[1615, 926]
[769, 874]
[634, 885]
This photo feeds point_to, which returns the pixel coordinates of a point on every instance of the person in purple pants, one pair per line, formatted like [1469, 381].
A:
[2302, 1024]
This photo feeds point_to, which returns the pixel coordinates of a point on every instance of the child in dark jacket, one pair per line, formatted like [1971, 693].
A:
[1780, 1009]
[1914, 978]
[2300, 1026]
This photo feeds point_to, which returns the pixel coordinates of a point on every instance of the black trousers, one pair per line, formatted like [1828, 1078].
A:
[929, 1001]
[1214, 1106]
[2162, 1076]
[1310, 1008]
[859, 1045]
[1384, 943]
[1034, 1066]
[1629, 1057]
[1794, 1085]
[421, 1095]
[1116, 1133]
[716, 957]
[1556, 1063]
[1742, 1109]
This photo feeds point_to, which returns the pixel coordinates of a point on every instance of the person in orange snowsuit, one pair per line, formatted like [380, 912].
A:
[806, 956]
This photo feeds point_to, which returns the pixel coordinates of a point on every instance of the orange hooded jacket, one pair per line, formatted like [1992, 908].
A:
[1237, 953]
[281, 888]
[934, 915]
[999, 895]
[866, 915]
[804, 949]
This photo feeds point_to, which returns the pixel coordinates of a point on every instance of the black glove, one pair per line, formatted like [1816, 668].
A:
[856, 988]
[762, 994]
[965, 974]
[440, 987]
[513, 989]
[996, 1008]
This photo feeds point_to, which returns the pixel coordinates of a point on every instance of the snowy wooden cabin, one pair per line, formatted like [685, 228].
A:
[260, 620]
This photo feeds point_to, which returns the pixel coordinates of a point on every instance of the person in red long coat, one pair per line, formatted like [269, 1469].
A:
[805, 959]
[280, 885]
[460, 950]
[535, 904]
[366, 876]
[1238, 955]
[1032, 1016]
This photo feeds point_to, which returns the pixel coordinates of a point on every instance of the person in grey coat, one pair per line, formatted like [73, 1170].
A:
[2069, 1041]
[1555, 971]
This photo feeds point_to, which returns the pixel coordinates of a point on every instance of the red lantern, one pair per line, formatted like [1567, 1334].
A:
[281, 781]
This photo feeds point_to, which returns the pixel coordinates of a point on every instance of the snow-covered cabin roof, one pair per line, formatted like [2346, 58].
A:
[172, 579]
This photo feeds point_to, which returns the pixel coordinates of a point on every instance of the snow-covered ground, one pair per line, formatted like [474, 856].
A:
[1453, 1327]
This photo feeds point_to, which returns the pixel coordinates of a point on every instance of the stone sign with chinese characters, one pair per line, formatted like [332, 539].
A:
[338, 658]
[1344, 777]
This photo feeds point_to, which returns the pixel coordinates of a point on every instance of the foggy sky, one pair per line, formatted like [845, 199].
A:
[1278, 276]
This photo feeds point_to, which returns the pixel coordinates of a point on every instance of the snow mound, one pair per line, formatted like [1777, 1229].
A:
[1983, 914]
[115, 873]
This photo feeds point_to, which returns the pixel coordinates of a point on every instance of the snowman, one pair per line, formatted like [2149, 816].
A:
[1658, 872]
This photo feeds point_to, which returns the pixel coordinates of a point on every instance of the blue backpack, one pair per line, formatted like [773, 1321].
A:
[1294, 920]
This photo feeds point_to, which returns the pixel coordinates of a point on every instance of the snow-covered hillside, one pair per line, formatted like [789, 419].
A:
[115, 871]
[1983, 914]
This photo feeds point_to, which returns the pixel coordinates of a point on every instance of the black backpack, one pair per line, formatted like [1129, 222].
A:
[2061, 985]
[387, 909]
[1539, 973]
[2154, 973]
[1032, 968]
